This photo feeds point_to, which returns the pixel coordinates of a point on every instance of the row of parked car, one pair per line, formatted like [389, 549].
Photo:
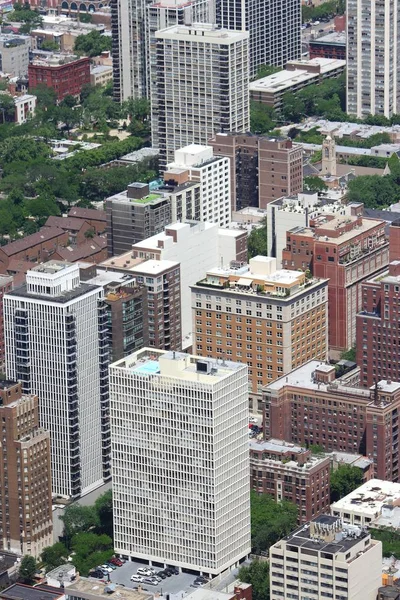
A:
[104, 570]
[151, 576]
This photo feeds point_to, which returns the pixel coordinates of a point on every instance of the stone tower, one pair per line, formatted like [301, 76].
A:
[328, 156]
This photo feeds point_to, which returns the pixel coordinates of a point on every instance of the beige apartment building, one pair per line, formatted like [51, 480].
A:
[272, 320]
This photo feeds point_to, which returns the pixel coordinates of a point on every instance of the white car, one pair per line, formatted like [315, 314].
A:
[146, 571]
[106, 568]
[137, 578]
[252, 420]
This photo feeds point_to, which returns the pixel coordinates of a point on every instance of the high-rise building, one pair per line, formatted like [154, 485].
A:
[166, 13]
[57, 346]
[201, 86]
[373, 72]
[26, 522]
[347, 250]
[262, 169]
[290, 472]
[199, 164]
[6, 285]
[180, 460]
[274, 27]
[317, 404]
[272, 320]
[326, 559]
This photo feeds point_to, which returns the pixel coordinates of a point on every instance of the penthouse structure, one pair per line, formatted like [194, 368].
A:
[262, 169]
[347, 250]
[311, 405]
[187, 448]
[26, 522]
[326, 559]
[272, 320]
[289, 472]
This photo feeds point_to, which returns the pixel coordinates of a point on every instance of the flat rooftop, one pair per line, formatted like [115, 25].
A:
[366, 225]
[369, 498]
[302, 537]
[151, 198]
[52, 266]
[19, 591]
[104, 278]
[155, 363]
[274, 445]
[202, 33]
[90, 589]
[334, 38]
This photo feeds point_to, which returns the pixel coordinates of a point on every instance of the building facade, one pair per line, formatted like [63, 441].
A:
[271, 320]
[274, 26]
[373, 83]
[6, 285]
[14, 54]
[332, 45]
[347, 250]
[262, 169]
[199, 164]
[166, 408]
[57, 346]
[326, 559]
[311, 405]
[290, 472]
[65, 74]
[25, 475]
[201, 86]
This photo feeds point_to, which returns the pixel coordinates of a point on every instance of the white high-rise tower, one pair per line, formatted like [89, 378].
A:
[57, 346]
[180, 459]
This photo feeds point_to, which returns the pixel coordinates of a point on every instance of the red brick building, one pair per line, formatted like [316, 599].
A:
[312, 406]
[289, 472]
[332, 45]
[347, 250]
[34, 248]
[96, 218]
[66, 75]
[76, 228]
[6, 285]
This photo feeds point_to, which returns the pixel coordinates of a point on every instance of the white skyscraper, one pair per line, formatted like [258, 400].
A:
[373, 61]
[274, 27]
[201, 86]
[57, 346]
[180, 459]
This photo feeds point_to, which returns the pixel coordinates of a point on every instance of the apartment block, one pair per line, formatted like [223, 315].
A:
[198, 164]
[134, 215]
[187, 449]
[262, 169]
[378, 340]
[373, 83]
[286, 471]
[66, 74]
[332, 45]
[6, 285]
[274, 26]
[26, 521]
[316, 405]
[346, 250]
[201, 86]
[14, 54]
[326, 559]
[196, 247]
[57, 346]
[272, 320]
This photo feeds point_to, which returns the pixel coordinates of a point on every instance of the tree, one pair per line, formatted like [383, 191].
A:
[257, 242]
[266, 71]
[54, 556]
[78, 518]
[293, 109]
[90, 549]
[314, 184]
[344, 480]
[50, 46]
[270, 520]
[257, 573]
[92, 44]
[349, 354]
[7, 108]
[104, 508]
[374, 191]
[261, 117]
[27, 569]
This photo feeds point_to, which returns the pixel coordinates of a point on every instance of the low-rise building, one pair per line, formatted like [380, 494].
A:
[326, 559]
[100, 74]
[375, 503]
[332, 45]
[289, 472]
[25, 107]
[66, 74]
[296, 76]
[365, 464]
[76, 228]
[37, 247]
[96, 218]
[89, 589]
[93, 249]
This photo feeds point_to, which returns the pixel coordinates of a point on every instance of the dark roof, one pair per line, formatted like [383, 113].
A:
[385, 215]
[84, 288]
[68, 223]
[87, 213]
[302, 537]
[19, 591]
[43, 235]
[86, 250]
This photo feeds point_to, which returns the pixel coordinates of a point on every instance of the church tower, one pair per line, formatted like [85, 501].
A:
[328, 156]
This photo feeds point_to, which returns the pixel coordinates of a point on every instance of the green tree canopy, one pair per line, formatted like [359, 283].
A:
[262, 118]
[270, 520]
[314, 184]
[54, 556]
[104, 508]
[27, 569]
[344, 480]
[92, 44]
[257, 573]
[7, 108]
[78, 518]
[257, 242]
[374, 191]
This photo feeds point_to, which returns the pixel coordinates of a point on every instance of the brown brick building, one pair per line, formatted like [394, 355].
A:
[25, 476]
[271, 320]
[96, 218]
[262, 168]
[289, 472]
[93, 249]
[34, 248]
[6, 285]
[311, 406]
[347, 250]
[76, 228]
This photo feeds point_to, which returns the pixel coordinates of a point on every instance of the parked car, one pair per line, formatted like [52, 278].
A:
[136, 577]
[151, 580]
[97, 574]
[161, 575]
[174, 570]
[116, 561]
[146, 571]
[106, 568]
[252, 420]
[201, 579]
[168, 572]
[111, 565]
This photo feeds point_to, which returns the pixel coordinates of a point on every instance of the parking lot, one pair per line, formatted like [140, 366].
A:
[170, 585]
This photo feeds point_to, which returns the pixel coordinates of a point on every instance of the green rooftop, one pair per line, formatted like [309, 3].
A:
[146, 199]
